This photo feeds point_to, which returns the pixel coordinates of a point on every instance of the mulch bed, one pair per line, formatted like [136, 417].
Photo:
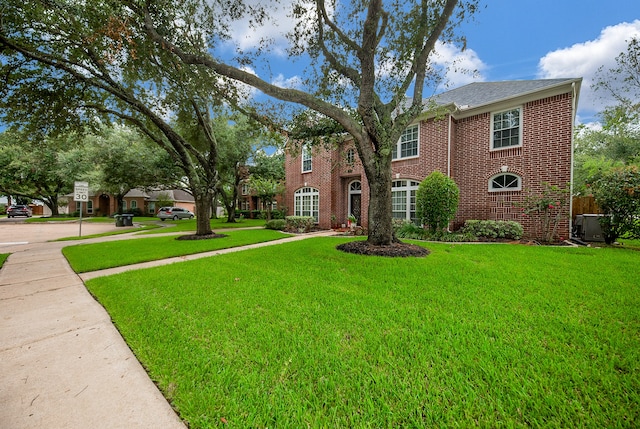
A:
[200, 237]
[394, 250]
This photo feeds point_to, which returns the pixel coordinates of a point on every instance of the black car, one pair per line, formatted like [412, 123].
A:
[18, 210]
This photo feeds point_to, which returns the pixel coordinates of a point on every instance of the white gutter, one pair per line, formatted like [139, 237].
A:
[573, 121]
[449, 147]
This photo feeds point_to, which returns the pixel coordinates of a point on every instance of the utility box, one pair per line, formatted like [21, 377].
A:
[587, 227]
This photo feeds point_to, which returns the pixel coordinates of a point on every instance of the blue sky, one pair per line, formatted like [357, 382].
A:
[518, 39]
[532, 39]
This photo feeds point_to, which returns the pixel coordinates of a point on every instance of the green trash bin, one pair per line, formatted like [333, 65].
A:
[119, 220]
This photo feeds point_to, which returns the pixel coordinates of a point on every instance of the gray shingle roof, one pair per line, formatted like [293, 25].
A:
[482, 93]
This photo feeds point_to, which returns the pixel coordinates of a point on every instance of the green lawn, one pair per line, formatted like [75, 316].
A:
[3, 257]
[301, 335]
[190, 225]
[97, 256]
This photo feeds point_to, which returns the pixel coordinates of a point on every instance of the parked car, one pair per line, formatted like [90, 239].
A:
[174, 213]
[18, 210]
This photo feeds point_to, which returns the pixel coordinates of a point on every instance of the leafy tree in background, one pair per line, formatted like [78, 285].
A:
[40, 167]
[365, 58]
[125, 160]
[617, 193]
[72, 66]
[437, 200]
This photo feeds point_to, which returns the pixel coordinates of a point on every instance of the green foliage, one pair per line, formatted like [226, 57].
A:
[617, 193]
[493, 229]
[409, 230]
[299, 223]
[547, 209]
[277, 224]
[437, 201]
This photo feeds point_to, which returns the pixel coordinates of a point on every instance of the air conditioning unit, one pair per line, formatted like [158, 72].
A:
[587, 227]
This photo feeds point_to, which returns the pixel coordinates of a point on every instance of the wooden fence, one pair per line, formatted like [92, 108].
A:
[584, 205]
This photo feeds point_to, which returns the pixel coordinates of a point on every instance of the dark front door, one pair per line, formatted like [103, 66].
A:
[356, 208]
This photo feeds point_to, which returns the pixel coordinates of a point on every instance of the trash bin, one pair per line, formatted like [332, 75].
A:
[127, 219]
[119, 220]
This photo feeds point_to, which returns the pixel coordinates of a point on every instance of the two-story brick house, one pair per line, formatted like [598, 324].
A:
[498, 140]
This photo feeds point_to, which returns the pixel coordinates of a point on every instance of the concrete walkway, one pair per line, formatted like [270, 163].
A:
[62, 362]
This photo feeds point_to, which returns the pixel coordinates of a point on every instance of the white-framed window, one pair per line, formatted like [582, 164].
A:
[504, 182]
[407, 146]
[90, 207]
[306, 159]
[506, 129]
[152, 207]
[403, 199]
[245, 189]
[134, 204]
[350, 156]
[307, 203]
[124, 204]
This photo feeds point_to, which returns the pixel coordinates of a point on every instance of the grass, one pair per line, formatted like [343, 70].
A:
[3, 257]
[92, 257]
[301, 335]
[190, 225]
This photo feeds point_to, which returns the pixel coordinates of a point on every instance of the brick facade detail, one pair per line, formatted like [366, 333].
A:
[459, 145]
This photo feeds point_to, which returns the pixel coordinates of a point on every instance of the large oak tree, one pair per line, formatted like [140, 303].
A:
[372, 57]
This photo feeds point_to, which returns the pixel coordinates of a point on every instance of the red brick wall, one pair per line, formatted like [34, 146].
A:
[545, 156]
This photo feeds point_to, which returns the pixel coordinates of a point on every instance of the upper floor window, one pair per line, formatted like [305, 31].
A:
[407, 146]
[506, 129]
[245, 189]
[350, 156]
[306, 159]
[505, 182]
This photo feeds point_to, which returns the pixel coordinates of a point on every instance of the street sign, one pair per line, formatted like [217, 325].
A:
[81, 191]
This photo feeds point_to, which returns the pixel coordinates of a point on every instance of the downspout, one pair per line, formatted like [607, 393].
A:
[449, 148]
[573, 120]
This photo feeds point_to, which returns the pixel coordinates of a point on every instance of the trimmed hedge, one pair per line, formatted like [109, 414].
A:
[299, 223]
[277, 224]
[493, 229]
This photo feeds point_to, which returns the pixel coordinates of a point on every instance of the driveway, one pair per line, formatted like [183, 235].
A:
[16, 231]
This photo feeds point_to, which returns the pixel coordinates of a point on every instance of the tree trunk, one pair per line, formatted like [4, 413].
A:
[203, 211]
[380, 209]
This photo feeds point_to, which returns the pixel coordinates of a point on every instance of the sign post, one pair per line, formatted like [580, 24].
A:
[81, 194]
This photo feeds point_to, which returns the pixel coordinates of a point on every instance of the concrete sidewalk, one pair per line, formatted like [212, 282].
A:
[62, 362]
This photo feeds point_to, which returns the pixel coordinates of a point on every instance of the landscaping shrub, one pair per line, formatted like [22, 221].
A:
[437, 201]
[411, 231]
[277, 224]
[493, 229]
[617, 193]
[299, 223]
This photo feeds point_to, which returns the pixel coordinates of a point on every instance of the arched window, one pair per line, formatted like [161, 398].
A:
[505, 182]
[307, 202]
[403, 199]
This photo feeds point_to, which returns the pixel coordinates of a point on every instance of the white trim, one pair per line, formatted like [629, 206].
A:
[314, 210]
[492, 178]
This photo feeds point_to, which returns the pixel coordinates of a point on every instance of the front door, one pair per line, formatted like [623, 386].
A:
[355, 200]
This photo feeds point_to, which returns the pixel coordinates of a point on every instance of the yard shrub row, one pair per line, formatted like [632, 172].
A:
[299, 223]
[493, 229]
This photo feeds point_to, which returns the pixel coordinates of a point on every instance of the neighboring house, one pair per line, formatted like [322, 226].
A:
[248, 201]
[497, 140]
[104, 204]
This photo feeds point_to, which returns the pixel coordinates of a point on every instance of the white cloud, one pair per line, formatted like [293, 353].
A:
[461, 67]
[294, 82]
[584, 59]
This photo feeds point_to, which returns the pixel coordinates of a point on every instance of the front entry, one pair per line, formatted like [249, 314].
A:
[355, 200]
